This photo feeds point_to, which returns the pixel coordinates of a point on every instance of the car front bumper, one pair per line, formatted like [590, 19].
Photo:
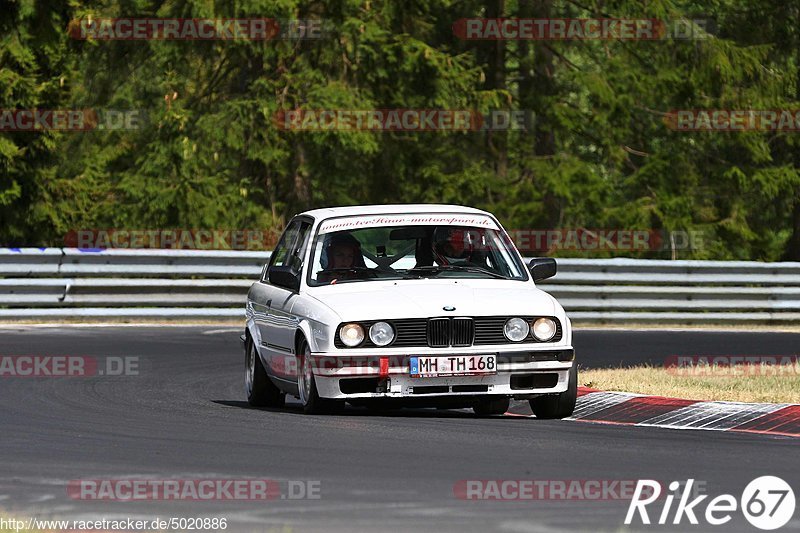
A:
[520, 374]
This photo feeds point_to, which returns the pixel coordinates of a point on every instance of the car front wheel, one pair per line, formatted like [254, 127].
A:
[558, 405]
[307, 386]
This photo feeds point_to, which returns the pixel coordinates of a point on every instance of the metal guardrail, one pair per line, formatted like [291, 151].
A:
[128, 263]
[193, 284]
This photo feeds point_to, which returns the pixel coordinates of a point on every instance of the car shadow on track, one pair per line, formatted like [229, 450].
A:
[407, 412]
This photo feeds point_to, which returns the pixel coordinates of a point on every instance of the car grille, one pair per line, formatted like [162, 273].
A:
[462, 332]
[444, 332]
[410, 332]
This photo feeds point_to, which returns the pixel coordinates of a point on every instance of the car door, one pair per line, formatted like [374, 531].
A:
[266, 294]
[280, 324]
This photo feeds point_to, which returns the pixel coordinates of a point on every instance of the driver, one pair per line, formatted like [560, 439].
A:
[341, 255]
[342, 251]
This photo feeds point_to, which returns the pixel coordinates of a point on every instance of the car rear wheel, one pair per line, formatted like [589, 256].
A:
[491, 406]
[307, 386]
[561, 405]
[261, 391]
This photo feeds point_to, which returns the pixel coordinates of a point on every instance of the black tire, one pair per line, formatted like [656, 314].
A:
[491, 406]
[556, 406]
[260, 390]
[307, 387]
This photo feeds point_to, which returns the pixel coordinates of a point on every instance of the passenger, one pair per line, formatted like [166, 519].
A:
[450, 247]
[459, 247]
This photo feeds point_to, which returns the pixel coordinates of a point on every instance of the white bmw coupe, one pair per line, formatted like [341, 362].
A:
[406, 305]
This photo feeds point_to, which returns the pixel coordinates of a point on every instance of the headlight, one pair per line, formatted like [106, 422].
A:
[351, 334]
[381, 333]
[544, 329]
[516, 329]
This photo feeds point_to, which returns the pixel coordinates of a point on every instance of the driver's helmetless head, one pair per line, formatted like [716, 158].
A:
[343, 251]
[341, 256]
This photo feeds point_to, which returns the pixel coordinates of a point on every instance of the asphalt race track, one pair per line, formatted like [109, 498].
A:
[184, 416]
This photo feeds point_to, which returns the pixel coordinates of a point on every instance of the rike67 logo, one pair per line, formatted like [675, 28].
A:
[767, 503]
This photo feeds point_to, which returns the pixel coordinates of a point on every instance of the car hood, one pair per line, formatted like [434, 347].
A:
[428, 297]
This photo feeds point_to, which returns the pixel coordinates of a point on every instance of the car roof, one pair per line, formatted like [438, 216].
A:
[354, 210]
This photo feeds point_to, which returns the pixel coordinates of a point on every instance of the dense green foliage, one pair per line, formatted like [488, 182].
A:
[599, 154]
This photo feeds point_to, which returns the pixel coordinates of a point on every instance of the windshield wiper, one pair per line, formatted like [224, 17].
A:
[456, 268]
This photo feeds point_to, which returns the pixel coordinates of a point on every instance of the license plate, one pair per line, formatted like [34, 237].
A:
[452, 365]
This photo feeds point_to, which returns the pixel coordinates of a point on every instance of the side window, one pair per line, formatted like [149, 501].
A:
[285, 246]
[299, 248]
[291, 247]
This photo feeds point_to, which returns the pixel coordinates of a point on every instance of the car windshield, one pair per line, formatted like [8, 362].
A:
[413, 251]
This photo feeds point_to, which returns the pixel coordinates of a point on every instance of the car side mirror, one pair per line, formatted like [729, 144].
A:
[542, 268]
[284, 276]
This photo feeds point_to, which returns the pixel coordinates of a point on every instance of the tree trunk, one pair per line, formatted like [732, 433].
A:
[792, 251]
[496, 80]
[302, 182]
[537, 89]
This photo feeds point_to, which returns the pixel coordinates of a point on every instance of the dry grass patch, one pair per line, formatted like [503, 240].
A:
[765, 384]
